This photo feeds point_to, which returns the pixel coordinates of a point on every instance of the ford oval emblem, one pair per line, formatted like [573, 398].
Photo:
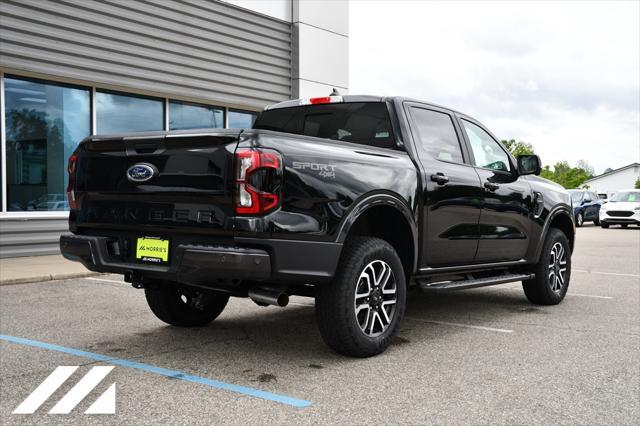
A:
[141, 172]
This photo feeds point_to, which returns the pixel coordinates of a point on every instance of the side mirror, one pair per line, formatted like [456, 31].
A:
[529, 165]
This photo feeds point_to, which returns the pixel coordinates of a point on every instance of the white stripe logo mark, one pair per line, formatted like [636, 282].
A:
[105, 404]
[45, 390]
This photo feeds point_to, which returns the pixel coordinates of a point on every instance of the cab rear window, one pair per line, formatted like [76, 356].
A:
[365, 123]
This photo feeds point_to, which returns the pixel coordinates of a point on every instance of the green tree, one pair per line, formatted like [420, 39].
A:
[547, 173]
[518, 147]
[581, 164]
[562, 172]
[637, 185]
[567, 176]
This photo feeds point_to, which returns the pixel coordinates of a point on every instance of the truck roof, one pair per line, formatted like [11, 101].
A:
[345, 98]
[356, 98]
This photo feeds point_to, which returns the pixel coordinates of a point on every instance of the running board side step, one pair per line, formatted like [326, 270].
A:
[474, 283]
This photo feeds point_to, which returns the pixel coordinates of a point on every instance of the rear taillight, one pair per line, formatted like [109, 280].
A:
[71, 169]
[257, 181]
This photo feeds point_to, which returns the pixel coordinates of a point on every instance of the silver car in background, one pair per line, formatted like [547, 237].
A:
[622, 209]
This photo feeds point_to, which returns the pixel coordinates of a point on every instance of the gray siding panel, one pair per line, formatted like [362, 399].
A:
[26, 237]
[201, 49]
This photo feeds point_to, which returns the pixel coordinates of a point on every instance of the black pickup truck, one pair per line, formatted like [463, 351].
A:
[349, 200]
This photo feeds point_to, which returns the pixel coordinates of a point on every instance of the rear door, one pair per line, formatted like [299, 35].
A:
[154, 184]
[451, 188]
[507, 204]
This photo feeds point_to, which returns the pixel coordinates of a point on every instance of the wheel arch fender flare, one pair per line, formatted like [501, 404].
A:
[553, 214]
[369, 201]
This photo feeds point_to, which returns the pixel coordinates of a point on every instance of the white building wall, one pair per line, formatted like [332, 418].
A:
[320, 42]
[320, 51]
[614, 181]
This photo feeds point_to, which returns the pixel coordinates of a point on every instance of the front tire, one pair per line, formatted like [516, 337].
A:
[604, 225]
[553, 271]
[624, 225]
[596, 221]
[580, 219]
[359, 313]
[185, 307]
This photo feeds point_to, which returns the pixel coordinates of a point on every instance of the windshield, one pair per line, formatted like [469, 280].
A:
[364, 123]
[626, 196]
[576, 196]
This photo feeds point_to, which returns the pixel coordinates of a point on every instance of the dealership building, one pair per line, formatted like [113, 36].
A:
[612, 181]
[70, 69]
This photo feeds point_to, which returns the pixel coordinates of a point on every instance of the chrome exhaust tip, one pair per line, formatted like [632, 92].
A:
[269, 296]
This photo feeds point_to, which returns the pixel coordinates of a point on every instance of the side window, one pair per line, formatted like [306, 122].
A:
[437, 135]
[487, 152]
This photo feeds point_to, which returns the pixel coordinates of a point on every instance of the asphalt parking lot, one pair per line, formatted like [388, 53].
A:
[477, 356]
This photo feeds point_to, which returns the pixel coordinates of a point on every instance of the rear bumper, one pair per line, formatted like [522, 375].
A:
[250, 259]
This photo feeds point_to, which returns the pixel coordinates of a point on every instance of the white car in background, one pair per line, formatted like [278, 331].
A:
[622, 209]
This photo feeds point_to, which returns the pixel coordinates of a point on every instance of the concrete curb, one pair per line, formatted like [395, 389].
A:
[44, 278]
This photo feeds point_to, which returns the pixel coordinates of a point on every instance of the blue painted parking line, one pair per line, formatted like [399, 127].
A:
[256, 393]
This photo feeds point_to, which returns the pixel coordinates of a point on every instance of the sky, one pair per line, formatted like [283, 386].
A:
[563, 76]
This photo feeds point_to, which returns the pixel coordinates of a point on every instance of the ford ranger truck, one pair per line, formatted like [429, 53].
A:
[346, 199]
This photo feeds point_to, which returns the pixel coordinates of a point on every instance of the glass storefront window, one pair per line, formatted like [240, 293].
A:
[44, 123]
[184, 115]
[241, 119]
[118, 113]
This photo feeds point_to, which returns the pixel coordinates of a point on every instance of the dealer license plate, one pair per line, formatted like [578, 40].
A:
[153, 250]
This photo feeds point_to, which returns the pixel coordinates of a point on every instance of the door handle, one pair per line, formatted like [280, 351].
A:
[491, 186]
[439, 178]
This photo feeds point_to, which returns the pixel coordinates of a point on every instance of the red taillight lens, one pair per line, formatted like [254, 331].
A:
[320, 100]
[71, 169]
[323, 100]
[256, 184]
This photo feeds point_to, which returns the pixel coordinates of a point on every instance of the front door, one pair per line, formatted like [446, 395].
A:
[451, 189]
[592, 205]
[506, 215]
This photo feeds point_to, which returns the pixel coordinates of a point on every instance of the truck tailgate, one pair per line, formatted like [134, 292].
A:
[190, 186]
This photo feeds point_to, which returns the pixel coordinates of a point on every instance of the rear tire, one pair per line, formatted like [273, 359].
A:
[624, 225]
[596, 222]
[553, 271]
[580, 219]
[604, 225]
[359, 313]
[185, 307]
